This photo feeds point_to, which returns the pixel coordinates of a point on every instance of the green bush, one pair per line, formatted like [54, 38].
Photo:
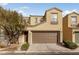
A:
[70, 45]
[25, 46]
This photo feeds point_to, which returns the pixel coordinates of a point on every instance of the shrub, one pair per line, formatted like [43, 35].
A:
[25, 46]
[70, 45]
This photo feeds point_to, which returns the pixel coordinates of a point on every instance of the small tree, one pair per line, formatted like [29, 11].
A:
[12, 23]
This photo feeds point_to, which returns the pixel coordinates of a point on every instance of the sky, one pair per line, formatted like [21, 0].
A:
[39, 8]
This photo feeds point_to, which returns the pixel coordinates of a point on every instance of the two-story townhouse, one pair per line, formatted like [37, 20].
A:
[45, 29]
[71, 27]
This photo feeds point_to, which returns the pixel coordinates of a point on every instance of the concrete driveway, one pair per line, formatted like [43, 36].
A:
[51, 49]
[47, 48]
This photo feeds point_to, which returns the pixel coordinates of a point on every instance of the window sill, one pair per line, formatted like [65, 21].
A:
[54, 23]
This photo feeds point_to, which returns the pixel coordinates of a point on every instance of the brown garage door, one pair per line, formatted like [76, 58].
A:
[44, 37]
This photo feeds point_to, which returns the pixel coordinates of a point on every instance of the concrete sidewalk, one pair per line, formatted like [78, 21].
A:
[37, 53]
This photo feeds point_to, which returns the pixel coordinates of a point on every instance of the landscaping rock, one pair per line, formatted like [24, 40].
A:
[3, 43]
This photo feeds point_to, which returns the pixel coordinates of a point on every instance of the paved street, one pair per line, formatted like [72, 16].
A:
[38, 53]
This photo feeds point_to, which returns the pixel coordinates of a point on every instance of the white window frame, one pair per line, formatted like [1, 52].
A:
[74, 20]
[54, 18]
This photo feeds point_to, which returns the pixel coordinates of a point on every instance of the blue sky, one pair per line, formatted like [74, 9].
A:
[38, 9]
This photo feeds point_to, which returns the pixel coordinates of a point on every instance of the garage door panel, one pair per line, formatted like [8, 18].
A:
[44, 37]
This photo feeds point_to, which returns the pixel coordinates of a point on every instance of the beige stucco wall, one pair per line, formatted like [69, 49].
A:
[49, 15]
[29, 37]
[69, 17]
[47, 25]
[67, 32]
[33, 19]
[21, 41]
[73, 29]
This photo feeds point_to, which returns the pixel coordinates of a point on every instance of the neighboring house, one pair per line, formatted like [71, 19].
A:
[26, 19]
[71, 27]
[45, 29]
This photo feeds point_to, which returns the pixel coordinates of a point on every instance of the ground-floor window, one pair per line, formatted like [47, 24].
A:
[77, 37]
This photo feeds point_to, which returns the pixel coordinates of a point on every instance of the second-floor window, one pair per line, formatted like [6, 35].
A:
[74, 20]
[54, 18]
